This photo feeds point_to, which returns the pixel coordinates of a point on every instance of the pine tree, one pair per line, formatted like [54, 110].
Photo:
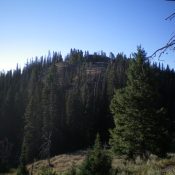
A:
[22, 170]
[97, 162]
[140, 123]
[29, 130]
[49, 113]
[31, 140]
[32, 126]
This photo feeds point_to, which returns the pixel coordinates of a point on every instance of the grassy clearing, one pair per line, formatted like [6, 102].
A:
[152, 166]
[121, 165]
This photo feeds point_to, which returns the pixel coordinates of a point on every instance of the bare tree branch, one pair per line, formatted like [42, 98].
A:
[163, 49]
[170, 17]
[170, 44]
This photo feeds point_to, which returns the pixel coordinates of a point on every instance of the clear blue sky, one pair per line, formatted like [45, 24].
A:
[30, 28]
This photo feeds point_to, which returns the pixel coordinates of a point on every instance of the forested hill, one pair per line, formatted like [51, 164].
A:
[54, 105]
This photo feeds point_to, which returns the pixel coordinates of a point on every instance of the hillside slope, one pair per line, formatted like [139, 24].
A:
[153, 165]
[59, 163]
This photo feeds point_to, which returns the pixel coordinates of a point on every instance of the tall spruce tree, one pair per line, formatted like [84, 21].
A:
[32, 128]
[140, 122]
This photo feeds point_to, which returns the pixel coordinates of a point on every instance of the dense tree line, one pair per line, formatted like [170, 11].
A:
[54, 105]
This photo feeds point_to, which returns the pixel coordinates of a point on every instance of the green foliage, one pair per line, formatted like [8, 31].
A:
[47, 171]
[116, 74]
[69, 102]
[22, 170]
[97, 162]
[72, 171]
[5, 152]
[140, 121]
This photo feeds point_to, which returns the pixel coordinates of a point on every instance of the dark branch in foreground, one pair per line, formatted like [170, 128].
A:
[163, 49]
[170, 17]
[170, 43]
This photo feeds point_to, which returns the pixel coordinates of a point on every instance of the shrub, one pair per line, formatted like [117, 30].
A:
[97, 162]
[47, 171]
[22, 170]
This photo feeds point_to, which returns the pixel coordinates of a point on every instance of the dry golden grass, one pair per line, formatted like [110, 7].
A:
[64, 162]
[59, 163]
[151, 166]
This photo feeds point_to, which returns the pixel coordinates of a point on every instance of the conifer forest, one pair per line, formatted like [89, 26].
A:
[57, 105]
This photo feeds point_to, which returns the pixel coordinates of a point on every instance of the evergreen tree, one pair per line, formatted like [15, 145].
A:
[32, 123]
[49, 113]
[29, 146]
[22, 170]
[63, 104]
[140, 122]
[97, 162]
